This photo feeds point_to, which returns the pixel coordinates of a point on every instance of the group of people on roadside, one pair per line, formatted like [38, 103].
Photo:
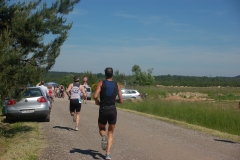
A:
[59, 91]
[105, 97]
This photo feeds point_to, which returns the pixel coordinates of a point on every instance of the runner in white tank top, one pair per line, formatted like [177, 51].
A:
[73, 92]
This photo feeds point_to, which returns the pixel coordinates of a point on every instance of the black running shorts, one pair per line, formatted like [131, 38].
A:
[75, 105]
[107, 116]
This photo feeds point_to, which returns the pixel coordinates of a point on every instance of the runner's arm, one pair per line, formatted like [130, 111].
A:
[98, 90]
[120, 98]
[83, 91]
[68, 90]
[38, 84]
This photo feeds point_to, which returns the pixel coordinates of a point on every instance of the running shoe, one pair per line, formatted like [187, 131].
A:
[74, 118]
[76, 129]
[108, 156]
[104, 142]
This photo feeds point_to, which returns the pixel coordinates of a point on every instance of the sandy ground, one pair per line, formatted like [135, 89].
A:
[136, 137]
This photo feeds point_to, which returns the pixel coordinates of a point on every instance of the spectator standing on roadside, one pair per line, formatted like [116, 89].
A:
[44, 88]
[73, 92]
[45, 91]
[50, 93]
[85, 84]
[62, 91]
[85, 98]
[57, 92]
[53, 92]
[85, 81]
[108, 90]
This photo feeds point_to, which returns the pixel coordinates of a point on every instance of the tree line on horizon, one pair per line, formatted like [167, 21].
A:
[138, 77]
[165, 80]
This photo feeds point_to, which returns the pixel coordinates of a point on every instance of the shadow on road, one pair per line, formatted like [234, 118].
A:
[90, 152]
[67, 128]
[226, 141]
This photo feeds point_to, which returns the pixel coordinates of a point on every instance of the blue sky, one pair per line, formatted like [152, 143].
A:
[176, 37]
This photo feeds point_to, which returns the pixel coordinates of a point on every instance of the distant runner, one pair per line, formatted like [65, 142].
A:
[74, 91]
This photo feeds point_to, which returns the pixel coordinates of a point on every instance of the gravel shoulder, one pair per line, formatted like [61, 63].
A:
[136, 137]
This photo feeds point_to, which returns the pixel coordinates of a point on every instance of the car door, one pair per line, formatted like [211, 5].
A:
[123, 94]
[128, 94]
[133, 94]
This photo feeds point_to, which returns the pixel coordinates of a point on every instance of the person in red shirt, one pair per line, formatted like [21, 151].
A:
[50, 93]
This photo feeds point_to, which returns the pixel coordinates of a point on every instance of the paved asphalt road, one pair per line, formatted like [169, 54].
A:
[136, 138]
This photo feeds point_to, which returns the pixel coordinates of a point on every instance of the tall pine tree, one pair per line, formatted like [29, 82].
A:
[25, 56]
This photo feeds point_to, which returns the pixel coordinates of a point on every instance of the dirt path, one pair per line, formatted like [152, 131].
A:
[136, 138]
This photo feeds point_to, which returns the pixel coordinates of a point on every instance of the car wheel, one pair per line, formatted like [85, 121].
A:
[9, 119]
[47, 118]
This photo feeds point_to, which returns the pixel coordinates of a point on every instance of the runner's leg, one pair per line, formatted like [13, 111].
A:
[77, 118]
[110, 137]
[72, 111]
[102, 129]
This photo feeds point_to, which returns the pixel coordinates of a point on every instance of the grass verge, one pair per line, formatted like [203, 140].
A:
[20, 140]
[217, 117]
[190, 126]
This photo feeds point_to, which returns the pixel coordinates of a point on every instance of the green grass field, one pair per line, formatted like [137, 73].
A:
[218, 112]
[218, 116]
[216, 93]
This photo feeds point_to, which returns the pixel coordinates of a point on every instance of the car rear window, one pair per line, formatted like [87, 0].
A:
[33, 92]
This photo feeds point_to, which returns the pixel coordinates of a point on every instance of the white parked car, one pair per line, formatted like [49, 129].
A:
[88, 92]
[130, 94]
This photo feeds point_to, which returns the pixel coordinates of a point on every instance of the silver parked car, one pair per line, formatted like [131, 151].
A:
[130, 93]
[88, 92]
[33, 105]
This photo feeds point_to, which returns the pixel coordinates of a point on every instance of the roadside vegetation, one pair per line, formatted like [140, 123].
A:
[213, 110]
[218, 110]
[20, 140]
[213, 93]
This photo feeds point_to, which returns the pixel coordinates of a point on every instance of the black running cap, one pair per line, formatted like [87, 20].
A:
[76, 79]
